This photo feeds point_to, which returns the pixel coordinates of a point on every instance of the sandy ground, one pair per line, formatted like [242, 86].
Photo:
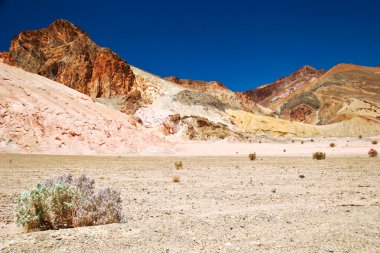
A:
[222, 204]
[280, 147]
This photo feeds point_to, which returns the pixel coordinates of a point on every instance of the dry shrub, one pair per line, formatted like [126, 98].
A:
[178, 165]
[67, 202]
[319, 156]
[284, 150]
[372, 153]
[360, 136]
[176, 179]
[332, 144]
[252, 156]
[374, 142]
[302, 142]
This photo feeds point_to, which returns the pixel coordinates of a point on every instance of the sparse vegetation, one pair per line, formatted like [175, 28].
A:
[176, 179]
[332, 144]
[319, 155]
[252, 156]
[284, 150]
[374, 142]
[312, 140]
[360, 136]
[302, 142]
[178, 165]
[372, 153]
[67, 202]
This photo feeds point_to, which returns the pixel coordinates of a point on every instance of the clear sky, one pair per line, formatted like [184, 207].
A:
[241, 43]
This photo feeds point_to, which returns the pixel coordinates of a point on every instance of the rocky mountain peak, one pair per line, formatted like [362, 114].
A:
[284, 86]
[65, 53]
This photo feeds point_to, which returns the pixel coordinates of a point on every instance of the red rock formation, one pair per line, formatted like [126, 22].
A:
[6, 58]
[196, 84]
[66, 54]
[284, 86]
[346, 91]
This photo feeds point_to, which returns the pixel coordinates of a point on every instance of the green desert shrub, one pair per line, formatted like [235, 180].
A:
[319, 156]
[252, 156]
[372, 153]
[67, 202]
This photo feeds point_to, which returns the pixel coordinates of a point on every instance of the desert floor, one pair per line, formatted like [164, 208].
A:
[221, 204]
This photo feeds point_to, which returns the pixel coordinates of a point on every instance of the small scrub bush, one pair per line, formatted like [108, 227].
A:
[319, 156]
[284, 150]
[360, 136]
[332, 144]
[302, 142]
[67, 202]
[178, 165]
[252, 156]
[176, 179]
[374, 142]
[312, 140]
[372, 153]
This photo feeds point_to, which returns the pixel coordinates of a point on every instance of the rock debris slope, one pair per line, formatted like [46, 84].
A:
[40, 115]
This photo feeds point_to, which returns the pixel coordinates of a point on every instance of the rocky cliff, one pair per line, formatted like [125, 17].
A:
[6, 58]
[66, 54]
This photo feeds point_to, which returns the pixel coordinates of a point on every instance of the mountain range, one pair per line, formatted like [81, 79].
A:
[344, 101]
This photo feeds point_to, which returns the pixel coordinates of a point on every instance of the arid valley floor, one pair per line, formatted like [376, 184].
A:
[221, 204]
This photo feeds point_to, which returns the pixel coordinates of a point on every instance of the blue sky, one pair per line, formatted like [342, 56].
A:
[240, 43]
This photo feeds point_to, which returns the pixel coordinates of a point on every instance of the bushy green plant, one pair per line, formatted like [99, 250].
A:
[47, 206]
[67, 202]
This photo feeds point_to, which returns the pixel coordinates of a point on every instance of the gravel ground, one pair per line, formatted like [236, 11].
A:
[221, 204]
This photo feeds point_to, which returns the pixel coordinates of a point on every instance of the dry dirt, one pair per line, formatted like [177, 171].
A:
[222, 204]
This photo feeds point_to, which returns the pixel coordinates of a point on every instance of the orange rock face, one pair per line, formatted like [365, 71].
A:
[6, 58]
[111, 75]
[66, 54]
